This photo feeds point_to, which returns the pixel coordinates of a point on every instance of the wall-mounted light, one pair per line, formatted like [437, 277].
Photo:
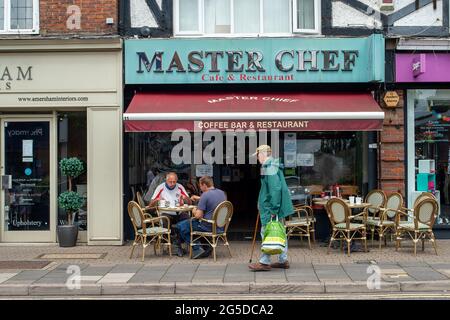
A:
[145, 31]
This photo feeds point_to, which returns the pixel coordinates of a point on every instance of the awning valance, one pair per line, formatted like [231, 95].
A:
[259, 111]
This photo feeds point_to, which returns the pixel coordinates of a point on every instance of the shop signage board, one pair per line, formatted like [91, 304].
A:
[423, 67]
[274, 60]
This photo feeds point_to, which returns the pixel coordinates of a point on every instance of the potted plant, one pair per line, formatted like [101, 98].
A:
[70, 201]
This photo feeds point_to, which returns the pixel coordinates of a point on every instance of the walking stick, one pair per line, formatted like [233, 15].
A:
[254, 237]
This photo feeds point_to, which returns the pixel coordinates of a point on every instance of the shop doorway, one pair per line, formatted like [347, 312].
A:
[241, 184]
[27, 188]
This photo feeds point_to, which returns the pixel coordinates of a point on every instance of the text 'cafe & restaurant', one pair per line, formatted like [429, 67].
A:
[314, 98]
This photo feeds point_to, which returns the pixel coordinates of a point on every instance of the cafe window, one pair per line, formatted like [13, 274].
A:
[328, 159]
[19, 16]
[431, 150]
[246, 17]
[72, 142]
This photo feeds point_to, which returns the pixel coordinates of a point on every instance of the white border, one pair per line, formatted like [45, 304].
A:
[7, 20]
[317, 15]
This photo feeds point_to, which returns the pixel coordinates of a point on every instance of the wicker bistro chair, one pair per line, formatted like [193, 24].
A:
[384, 220]
[140, 200]
[340, 217]
[421, 226]
[148, 229]
[221, 219]
[301, 223]
[377, 200]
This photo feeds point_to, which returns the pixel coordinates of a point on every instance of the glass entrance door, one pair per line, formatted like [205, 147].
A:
[26, 161]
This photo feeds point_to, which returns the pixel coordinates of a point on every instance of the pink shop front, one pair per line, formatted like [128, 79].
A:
[426, 79]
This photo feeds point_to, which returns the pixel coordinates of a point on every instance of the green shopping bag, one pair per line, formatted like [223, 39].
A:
[274, 240]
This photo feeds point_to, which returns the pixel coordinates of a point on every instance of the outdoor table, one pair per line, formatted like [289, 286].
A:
[323, 202]
[323, 225]
[177, 210]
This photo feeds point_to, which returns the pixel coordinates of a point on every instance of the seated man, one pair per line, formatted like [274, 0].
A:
[173, 192]
[209, 200]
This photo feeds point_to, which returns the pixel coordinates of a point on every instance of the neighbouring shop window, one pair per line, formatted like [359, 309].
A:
[432, 147]
[72, 142]
[246, 17]
[26, 177]
[19, 16]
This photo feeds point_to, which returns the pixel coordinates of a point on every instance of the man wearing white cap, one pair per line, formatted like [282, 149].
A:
[274, 200]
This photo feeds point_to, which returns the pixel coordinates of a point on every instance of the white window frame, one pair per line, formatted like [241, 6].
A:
[177, 31]
[293, 31]
[7, 20]
[317, 16]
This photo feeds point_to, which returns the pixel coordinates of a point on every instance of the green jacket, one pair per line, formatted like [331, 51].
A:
[274, 197]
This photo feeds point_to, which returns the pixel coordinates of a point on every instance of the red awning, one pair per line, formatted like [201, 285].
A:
[259, 111]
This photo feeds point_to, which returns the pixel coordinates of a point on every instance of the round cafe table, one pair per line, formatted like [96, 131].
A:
[177, 210]
[323, 202]
[323, 225]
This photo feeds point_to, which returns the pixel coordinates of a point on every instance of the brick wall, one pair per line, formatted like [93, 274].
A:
[88, 17]
[392, 148]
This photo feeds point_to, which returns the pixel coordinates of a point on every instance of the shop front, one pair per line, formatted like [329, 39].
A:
[319, 130]
[428, 126]
[60, 99]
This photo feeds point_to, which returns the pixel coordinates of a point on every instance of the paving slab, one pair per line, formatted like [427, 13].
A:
[238, 273]
[149, 274]
[96, 270]
[179, 273]
[440, 265]
[29, 275]
[64, 266]
[424, 273]
[209, 273]
[90, 278]
[301, 273]
[116, 278]
[274, 275]
[405, 264]
[330, 273]
[126, 268]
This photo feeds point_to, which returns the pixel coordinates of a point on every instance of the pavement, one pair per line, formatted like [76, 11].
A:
[107, 271]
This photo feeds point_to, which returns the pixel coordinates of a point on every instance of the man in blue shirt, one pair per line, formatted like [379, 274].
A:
[208, 202]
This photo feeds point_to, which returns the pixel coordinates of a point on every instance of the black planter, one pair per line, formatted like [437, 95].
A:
[67, 235]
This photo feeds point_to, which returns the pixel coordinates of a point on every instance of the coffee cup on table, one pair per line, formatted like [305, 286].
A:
[351, 199]
[358, 200]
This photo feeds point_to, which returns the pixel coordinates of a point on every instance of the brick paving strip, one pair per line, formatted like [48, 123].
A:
[311, 272]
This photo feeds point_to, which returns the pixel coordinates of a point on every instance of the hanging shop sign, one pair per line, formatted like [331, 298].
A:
[391, 99]
[293, 60]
